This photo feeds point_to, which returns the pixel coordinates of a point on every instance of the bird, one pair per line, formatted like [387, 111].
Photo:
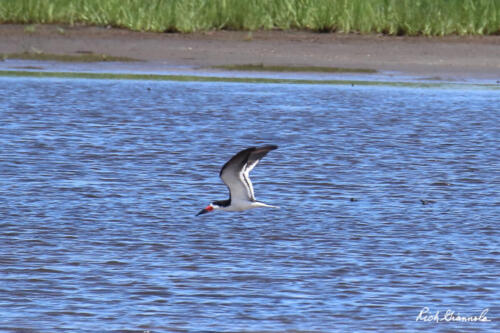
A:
[235, 174]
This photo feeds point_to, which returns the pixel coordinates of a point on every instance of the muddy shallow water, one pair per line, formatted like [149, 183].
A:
[389, 204]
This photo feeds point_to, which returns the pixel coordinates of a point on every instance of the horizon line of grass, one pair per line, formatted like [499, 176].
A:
[93, 57]
[281, 68]
[194, 78]
[84, 57]
[391, 17]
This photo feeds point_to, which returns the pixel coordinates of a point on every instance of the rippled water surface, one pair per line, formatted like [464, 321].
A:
[389, 204]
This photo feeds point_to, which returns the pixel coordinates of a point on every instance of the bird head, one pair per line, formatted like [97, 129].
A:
[208, 209]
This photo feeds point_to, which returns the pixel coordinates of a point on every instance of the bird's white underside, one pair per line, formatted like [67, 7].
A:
[240, 205]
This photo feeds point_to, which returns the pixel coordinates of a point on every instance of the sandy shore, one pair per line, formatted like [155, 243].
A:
[440, 58]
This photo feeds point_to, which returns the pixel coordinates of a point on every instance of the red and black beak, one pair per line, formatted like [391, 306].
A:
[205, 210]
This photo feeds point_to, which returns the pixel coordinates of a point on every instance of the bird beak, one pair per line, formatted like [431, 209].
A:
[205, 210]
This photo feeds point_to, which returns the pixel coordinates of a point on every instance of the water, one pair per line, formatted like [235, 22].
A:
[100, 182]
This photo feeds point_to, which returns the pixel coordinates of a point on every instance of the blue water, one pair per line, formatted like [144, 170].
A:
[389, 204]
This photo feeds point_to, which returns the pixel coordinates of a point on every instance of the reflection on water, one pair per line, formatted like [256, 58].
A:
[389, 203]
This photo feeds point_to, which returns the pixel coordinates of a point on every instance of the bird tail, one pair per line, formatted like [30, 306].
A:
[261, 204]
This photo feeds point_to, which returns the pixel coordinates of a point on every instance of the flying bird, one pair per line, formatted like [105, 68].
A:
[235, 174]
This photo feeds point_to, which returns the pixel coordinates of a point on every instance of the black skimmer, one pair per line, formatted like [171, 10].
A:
[235, 174]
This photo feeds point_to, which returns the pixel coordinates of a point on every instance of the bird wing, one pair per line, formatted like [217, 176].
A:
[235, 173]
[254, 158]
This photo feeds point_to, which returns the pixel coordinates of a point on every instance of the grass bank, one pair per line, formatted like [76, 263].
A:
[393, 17]
[193, 78]
[275, 68]
[83, 57]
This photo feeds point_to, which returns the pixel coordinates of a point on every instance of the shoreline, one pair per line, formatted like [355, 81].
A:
[449, 58]
[236, 79]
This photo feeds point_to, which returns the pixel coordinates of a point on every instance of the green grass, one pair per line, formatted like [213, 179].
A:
[273, 68]
[85, 57]
[393, 17]
[193, 78]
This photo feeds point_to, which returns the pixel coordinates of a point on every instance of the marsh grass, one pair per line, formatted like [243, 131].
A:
[392, 17]
[86, 57]
[193, 78]
[274, 68]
